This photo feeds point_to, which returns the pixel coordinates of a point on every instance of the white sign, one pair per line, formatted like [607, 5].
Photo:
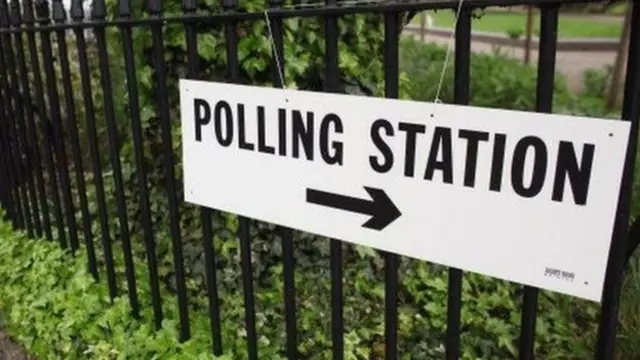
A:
[521, 196]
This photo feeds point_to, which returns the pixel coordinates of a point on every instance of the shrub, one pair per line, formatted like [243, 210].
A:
[596, 82]
[628, 343]
[496, 81]
[515, 32]
[53, 306]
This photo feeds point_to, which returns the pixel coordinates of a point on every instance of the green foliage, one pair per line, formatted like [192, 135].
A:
[614, 7]
[596, 82]
[498, 21]
[490, 317]
[515, 32]
[628, 344]
[496, 81]
[52, 306]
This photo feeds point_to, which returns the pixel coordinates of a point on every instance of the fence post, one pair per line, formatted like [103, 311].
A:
[44, 20]
[25, 167]
[193, 64]
[45, 123]
[60, 18]
[21, 88]
[6, 182]
[461, 84]
[154, 7]
[332, 84]
[391, 261]
[11, 150]
[544, 103]
[77, 14]
[286, 234]
[99, 13]
[233, 76]
[619, 243]
[124, 13]
[32, 129]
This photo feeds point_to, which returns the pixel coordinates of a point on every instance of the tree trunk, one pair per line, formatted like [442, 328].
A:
[621, 59]
[527, 45]
[423, 25]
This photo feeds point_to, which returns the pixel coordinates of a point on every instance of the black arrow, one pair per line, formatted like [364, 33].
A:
[382, 210]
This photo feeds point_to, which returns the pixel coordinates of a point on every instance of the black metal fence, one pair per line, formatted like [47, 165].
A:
[57, 85]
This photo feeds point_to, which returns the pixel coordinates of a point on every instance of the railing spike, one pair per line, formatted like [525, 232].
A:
[77, 10]
[99, 10]
[59, 14]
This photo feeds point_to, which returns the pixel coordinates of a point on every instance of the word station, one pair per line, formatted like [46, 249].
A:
[313, 136]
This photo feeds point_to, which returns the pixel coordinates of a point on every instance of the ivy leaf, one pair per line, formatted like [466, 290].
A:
[207, 46]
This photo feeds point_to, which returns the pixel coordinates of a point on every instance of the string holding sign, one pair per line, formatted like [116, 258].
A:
[445, 64]
[273, 48]
[446, 57]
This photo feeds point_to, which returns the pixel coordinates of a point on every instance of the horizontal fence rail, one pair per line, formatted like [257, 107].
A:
[90, 157]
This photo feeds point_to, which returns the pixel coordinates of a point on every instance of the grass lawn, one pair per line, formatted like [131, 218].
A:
[568, 27]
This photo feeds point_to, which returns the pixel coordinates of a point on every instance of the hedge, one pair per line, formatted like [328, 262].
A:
[53, 307]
